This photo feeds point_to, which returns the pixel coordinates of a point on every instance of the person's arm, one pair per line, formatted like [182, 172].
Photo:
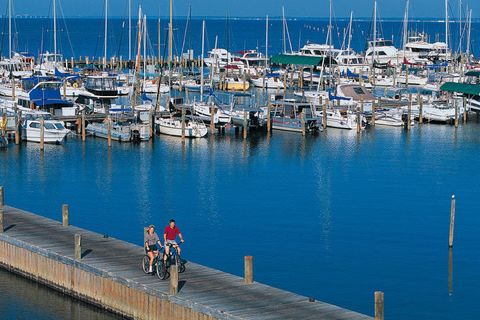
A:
[159, 242]
[146, 244]
[180, 236]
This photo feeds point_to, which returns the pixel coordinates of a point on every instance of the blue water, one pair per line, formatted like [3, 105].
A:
[85, 37]
[334, 217]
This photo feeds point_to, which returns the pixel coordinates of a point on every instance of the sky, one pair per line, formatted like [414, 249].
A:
[249, 8]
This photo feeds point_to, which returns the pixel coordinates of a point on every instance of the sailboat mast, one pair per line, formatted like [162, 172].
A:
[446, 28]
[129, 30]
[144, 48]
[106, 36]
[202, 62]
[170, 44]
[266, 42]
[10, 28]
[284, 31]
[350, 31]
[55, 30]
[469, 33]
[374, 30]
[405, 26]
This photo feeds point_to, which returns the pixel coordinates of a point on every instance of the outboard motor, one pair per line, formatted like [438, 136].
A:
[135, 136]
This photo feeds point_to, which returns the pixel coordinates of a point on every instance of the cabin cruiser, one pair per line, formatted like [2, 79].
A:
[381, 51]
[341, 118]
[218, 58]
[172, 126]
[151, 87]
[389, 118]
[54, 131]
[203, 111]
[20, 65]
[290, 115]
[48, 63]
[253, 61]
[44, 93]
[119, 131]
[269, 81]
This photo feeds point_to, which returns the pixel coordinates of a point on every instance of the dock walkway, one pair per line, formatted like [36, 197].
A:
[43, 249]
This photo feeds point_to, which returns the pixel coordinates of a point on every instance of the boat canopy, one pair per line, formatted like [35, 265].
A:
[473, 73]
[465, 88]
[298, 60]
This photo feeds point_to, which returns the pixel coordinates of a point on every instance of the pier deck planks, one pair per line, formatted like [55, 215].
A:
[203, 288]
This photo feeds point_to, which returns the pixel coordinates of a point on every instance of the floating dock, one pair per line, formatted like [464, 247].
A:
[107, 272]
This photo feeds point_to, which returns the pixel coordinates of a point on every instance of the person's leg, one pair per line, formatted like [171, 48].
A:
[151, 257]
[179, 251]
[167, 252]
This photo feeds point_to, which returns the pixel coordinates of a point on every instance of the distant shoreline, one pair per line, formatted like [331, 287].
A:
[272, 18]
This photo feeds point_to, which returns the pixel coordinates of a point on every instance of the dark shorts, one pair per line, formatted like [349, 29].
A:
[152, 248]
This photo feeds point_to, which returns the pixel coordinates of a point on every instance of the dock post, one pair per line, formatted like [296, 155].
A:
[248, 269]
[409, 113]
[212, 119]
[420, 111]
[452, 222]
[245, 124]
[109, 132]
[18, 119]
[374, 107]
[78, 247]
[173, 289]
[269, 115]
[83, 125]
[302, 119]
[2, 203]
[183, 124]
[42, 133]
[465, 113]
[379, 305]
[359, 127]
[324, 113]
[455, 105]
[65, 215]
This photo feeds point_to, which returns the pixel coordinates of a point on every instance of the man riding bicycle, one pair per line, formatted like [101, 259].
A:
[151, 242]
[170, 236]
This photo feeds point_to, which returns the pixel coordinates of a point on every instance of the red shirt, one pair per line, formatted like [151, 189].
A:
[172, 233]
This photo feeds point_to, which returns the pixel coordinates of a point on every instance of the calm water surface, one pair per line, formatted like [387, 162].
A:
[22, 299]
[334, 217]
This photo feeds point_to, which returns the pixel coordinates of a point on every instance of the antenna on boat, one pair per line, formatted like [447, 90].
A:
[105, 39]
[129, 30]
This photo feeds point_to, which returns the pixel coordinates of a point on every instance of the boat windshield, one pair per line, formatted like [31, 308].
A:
[49, 126]
[59, 126]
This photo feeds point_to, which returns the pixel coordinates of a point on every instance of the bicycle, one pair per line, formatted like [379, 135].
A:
[146, 262]
[163, 266]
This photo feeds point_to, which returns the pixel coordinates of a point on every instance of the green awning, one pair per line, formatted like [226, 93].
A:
[465, 88]
[296, 60]
[473, 73]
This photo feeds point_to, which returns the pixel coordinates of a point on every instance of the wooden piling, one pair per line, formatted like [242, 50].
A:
[212, 119]
[83, 125]
[245, 124]
[65, 210]
[42, 133]
[359, 126]
[2, 203]
[173, 288]
[78, 247]
[302, 119]
[324, 114]
[379, 305]
[450, 271]
[109, 133]
[269, 115]
[409, 113]
[465, 112]
[374, 107]
[455, 105]
[18, 119]
[248, 269]
[420, 111]
[183, 124]
[452, 222]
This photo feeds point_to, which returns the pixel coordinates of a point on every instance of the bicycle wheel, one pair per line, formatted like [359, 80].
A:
[180, 264]
[145, 264]
[162, 270]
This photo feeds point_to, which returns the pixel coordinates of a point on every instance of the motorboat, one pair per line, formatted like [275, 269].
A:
[54, 131]
[172, 126]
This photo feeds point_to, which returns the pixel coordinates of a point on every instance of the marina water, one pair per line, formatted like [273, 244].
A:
[334, 216]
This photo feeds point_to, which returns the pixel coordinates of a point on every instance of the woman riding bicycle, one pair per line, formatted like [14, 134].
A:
[152, 244]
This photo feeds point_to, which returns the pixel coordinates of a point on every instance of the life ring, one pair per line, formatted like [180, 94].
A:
[75, 85]
[3, 124]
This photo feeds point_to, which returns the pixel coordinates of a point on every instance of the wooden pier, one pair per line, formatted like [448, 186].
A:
[107, 272]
